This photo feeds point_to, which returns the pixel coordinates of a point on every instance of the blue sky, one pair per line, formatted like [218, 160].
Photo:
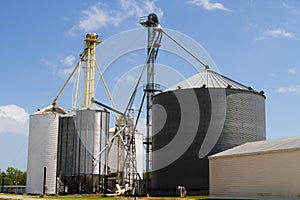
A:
[251, 41]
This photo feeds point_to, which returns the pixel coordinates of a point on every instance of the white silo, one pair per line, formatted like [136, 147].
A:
[92, 130]
[42, 150]
[91, 155]
[113, 152]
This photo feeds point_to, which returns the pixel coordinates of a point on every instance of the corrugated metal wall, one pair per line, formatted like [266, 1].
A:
[244, 122]
[92, 130]
[81, 167]
[266, 175]
[113, 153]
[66, 155]
[67, 145]
[42, 152]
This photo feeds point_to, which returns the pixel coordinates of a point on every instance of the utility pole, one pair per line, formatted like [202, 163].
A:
[2, 183]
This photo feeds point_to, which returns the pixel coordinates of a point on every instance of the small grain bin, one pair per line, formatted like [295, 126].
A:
[66, 154]
[113, 152]
[42, 150]
[82, 157]
[92, 131]
[202, 115]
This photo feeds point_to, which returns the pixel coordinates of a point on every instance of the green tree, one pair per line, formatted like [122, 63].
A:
[1, 175]
[13, 176]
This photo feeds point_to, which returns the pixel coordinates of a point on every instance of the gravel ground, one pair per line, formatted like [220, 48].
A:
[17, 197]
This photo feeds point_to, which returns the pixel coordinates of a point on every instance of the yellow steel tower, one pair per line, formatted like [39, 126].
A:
[91, 41]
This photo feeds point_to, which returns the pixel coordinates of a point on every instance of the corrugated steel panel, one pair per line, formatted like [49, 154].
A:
[264, 176]
[67, 144]
[113, 152]
[139, 152]
[92, 130]
[42, 152]
[66, 154]
[244, 122]
[82, 136]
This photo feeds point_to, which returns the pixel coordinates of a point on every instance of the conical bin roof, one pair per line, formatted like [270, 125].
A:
[208, 79]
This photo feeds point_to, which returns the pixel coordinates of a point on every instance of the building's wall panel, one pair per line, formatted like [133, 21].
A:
[257, 176]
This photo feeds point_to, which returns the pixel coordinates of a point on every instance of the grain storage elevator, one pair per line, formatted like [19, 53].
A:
[200, 116]
[65, 153]
[42, 150]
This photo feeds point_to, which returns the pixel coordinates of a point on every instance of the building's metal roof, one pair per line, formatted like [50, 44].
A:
[208, 79]
[261, 147]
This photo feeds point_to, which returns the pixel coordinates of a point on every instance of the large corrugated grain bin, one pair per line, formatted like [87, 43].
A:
[203, 115]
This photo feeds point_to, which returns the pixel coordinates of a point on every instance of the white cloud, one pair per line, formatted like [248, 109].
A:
[150, 7]
[295, 89]
[72, 31]
[292, 70]
[64, 72]
[249, 26]
[206, 4]
[140, 10]
[95, 18]
[289, 7]
[101, 15]
[275, 33]
[285, 5]
[47, 62]
[69, 60]
[13, 119]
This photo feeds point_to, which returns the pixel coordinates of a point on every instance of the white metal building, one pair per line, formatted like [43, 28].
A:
[264, 169]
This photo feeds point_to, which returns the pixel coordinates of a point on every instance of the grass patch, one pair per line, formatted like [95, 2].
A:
[92, 197]
[85, 197]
